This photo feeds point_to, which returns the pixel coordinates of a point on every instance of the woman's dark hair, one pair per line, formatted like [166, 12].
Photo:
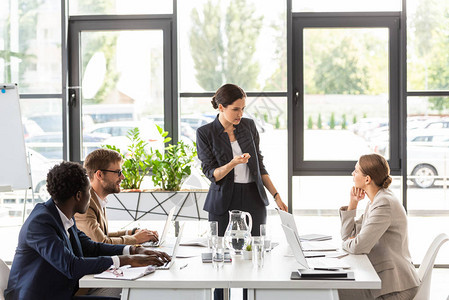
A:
[65, 180]
[376, 166]
[227, 94]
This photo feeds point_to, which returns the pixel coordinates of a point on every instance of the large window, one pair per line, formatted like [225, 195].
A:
[240, 42]
[427, 45]
[345, 5]
[30, 45]
[119, 79]
[30, 55]
[365, 76]
[120, 7]
[345, 85]
[427, 119]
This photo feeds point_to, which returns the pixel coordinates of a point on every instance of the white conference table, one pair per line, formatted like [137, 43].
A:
[197, 280]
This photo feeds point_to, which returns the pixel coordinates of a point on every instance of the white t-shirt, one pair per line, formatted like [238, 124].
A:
[242, 173]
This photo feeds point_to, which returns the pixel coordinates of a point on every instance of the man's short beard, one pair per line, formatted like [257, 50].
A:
[111, 189]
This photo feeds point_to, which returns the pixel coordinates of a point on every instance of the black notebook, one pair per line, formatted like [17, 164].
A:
[321, 275]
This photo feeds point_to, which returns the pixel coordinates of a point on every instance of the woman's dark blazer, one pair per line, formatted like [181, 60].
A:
[214, 151]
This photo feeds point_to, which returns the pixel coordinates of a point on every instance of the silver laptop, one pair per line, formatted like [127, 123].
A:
[167, 265]
[311, 263]
[164, 231]
[288, 220]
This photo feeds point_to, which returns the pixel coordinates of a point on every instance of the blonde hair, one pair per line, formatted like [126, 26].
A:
[376, 166]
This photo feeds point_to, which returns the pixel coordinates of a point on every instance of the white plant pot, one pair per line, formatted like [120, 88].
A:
[155, 205]
[247, 254]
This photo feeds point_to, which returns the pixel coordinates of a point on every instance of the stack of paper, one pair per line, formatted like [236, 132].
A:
[315, 237]
[318, 246]
[199, 242]
[126, 273]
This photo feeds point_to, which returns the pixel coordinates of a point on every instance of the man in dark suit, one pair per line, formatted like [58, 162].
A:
[52, 254]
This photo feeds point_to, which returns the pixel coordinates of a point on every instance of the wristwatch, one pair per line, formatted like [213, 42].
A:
[135, 248]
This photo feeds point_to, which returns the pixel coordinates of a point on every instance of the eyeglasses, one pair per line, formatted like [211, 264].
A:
[118, 172]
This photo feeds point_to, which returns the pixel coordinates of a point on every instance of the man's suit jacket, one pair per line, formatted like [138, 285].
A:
[94, 224]
[214, 151]
[381, 233]
[47, 265]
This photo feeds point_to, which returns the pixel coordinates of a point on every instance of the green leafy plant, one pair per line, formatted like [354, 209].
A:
[171, 169]
[136, 162]
[343, 121]
[319, 122]
[332, 121]
[310, 123]
[249, 247]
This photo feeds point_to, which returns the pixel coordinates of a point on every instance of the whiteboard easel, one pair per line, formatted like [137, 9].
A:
[15, 170]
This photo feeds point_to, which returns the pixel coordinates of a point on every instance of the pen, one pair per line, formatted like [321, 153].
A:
[183, 266]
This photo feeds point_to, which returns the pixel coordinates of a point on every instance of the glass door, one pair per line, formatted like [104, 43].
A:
[118, 82]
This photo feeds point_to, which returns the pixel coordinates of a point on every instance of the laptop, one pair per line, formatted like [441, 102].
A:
[288, 220]
[168, 264]
[311, 263]
[164, 231]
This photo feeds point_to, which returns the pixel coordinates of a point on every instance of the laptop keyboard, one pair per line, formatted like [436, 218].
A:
[150, 244]
[165, 266]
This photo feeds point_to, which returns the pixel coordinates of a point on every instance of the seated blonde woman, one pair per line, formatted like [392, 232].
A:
[381, 232]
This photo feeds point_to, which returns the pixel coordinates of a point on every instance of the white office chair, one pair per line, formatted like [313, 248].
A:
[425, 270]
[4, 275]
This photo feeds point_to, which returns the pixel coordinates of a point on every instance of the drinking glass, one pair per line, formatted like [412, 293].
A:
[258, 252]
[266, 236]
[218, 250]
[212, 233]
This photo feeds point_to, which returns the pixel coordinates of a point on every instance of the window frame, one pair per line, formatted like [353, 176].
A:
[390, 20]
[78, 24]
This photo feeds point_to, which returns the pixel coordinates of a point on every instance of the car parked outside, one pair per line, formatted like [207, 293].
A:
[50, 144]
[117, 133]
[30, 128]
[196, 121]
[188, 133]
[427, 164]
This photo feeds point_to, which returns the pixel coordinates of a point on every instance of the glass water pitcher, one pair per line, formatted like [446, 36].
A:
[238, 232]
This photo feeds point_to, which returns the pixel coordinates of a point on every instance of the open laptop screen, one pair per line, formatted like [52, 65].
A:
[164, 231]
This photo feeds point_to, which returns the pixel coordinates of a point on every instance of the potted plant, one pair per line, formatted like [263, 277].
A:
[247, 252]
[136, 162]
[168, 170]
[171, 168]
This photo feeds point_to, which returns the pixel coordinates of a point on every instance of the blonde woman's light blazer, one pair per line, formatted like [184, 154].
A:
[382, 233]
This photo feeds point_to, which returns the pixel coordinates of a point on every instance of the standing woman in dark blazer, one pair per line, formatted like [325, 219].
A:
[230, 157]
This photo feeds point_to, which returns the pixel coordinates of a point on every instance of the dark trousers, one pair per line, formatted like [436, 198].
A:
[245, 198]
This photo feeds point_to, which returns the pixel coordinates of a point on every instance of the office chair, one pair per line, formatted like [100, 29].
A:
[4, 276]
[425, 270]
